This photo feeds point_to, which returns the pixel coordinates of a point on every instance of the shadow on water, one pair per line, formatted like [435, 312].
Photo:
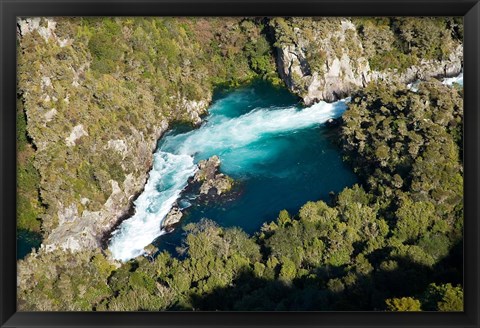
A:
[265, 94]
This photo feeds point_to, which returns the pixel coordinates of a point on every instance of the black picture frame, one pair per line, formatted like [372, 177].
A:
[9, 10]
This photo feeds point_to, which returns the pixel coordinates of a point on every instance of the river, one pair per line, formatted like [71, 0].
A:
[280, 154]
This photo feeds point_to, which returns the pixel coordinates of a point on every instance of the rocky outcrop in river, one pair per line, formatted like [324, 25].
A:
[173, 217]
[208, 182]
[212, 182]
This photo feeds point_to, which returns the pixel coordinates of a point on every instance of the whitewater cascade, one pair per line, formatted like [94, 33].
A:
[456, 79]
[238, 136]
[446, 81]
[233, 139]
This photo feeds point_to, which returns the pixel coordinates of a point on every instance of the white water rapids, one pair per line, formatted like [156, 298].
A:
[175, 161]
[233, 139]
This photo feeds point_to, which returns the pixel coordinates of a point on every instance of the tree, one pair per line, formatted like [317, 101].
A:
[403, 304]
[444, 297]
[413, 219]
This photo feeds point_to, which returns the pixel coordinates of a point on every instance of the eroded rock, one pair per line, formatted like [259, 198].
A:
[207, 183]
[77, 132]
[78, 231]
[173, 217]
[211, 180]
[339, 73]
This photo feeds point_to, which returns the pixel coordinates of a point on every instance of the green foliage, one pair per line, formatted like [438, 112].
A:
[260, 57]
[413, 219]
[403, 304]
[21, 122]
[104, 46]
[408, 126]
[52, 279]
[436, 245]
[428, 37]
[443, 297]
[29, 207]
[288, 270]
[400, 42]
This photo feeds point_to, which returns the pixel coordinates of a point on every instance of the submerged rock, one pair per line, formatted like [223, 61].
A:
[332, 122]
[150, 249]
[219, 185]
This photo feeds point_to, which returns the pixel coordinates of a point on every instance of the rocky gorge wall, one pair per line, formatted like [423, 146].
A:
[328, 59]
[98, 93]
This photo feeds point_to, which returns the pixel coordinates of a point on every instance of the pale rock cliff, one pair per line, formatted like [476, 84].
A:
[336, 76]
[338, 73]
[425, 69]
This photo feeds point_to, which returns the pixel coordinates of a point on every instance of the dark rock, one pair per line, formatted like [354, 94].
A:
[207, 169]
[207, 182]
[332, 122]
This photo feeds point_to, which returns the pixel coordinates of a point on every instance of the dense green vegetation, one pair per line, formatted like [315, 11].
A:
[400, 42]
[29, 207]
[393, 242]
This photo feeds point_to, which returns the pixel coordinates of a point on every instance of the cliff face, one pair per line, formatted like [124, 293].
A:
[316, 66]
[326, 59]
[425, 69]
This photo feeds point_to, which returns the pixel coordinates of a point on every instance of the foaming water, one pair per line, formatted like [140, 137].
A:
[167, 178]
[249, 133]
[446, 81]
[236, 140]
[456, 79]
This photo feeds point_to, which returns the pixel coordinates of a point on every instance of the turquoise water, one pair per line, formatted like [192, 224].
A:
[281, 155]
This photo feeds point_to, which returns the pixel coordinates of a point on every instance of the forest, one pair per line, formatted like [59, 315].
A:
[392, 242]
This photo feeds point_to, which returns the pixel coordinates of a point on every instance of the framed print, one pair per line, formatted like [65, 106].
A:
[226, 163]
